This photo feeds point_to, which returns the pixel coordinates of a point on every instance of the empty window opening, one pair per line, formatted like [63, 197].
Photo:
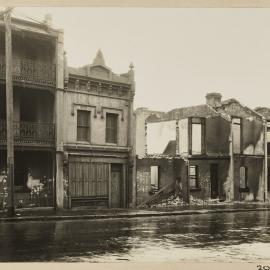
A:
[193, 177]
[155, 174]
[243, 178]
[236, 130]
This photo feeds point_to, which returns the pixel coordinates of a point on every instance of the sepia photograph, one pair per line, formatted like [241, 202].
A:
[135, 134]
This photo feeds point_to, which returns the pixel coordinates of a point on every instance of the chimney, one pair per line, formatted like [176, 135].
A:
[213, 99]
[48, 20]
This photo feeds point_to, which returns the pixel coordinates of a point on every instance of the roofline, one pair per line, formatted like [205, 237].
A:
[88, 78]
[246, 107]
[39, 26]
[208, 106]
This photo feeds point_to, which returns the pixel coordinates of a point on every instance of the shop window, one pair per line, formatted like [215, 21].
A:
[243, 178]
[111, 127]
[83, 125]
[197, 136]
[236, 130]
[193, 177]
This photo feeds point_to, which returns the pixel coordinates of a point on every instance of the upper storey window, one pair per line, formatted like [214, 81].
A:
[197, 136]
[111, 127]
[237, 134]
[83, 125]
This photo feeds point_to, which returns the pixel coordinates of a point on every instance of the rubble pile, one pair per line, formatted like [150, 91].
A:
[172, 201]
[195, 201]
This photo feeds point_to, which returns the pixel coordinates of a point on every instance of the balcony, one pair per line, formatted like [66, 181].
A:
[29, 133]
[30, 71]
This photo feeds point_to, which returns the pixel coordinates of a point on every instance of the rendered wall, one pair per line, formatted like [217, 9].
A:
[97, 124]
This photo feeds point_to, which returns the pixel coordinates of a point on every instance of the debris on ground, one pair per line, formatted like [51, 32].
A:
[173, 201]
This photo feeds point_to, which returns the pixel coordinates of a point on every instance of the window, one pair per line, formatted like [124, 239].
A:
[83, 127]
[268, 179]
[197, 136]
[268, 137]
[193, 177]
[111, 127]
[236, 131]
[155, 177]
[243, 178]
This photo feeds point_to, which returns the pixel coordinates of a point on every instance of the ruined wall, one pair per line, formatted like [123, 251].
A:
[252, 127]
[140, 139]
[169, 170]
[263, 111]
[183, 136]
[180, 169]
[253, 136]
[192, 111]
[255, 178]
[141, 115]
[217, 134]
[144, 175]
[204, 190]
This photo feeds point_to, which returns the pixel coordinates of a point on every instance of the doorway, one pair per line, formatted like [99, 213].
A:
[116, 185]
[214, 181]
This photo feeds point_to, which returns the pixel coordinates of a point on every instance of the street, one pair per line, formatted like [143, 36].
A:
[222, 237]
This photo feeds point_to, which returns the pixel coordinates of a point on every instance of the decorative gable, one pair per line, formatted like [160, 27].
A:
[100, 72]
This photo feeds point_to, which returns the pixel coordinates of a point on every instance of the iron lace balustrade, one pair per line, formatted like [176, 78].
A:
[30, 71]
[29, 133]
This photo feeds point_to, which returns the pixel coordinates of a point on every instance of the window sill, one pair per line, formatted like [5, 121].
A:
[195, 189]
[82, 142]
[112, 144]
[244, 189]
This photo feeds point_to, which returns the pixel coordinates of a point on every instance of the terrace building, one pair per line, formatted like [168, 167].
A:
[97, 121]
[218, 150]
[73, 127]
[37, 81]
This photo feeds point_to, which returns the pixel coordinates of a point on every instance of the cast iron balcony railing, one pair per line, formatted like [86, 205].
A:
[29, 133]
[30, 71]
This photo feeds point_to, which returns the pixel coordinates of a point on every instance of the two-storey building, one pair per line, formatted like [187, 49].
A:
[217, 149]
[37, 71]
[73, 127]
[266, 113]
[97, 120]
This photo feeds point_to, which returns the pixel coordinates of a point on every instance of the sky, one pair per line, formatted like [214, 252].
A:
[179, 54]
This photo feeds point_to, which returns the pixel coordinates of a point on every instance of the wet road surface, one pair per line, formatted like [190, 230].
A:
[222, 237]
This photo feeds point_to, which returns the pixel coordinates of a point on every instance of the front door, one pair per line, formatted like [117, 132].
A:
[116, 185]
[214, 180]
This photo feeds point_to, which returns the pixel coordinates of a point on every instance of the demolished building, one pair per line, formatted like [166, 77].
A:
[217, 148]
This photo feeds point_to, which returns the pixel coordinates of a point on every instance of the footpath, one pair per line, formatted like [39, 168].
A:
[47, 214]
